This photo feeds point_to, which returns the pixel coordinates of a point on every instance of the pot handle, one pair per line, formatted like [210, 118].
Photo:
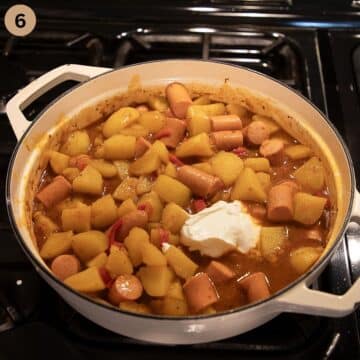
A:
[40, 86]
[301, 299]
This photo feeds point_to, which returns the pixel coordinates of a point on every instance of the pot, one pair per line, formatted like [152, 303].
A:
[260, 93]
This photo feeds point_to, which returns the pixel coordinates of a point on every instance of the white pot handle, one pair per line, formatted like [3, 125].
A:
[40, 86]
[301, 299]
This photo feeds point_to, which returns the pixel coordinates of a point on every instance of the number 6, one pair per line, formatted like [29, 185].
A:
[20, 20]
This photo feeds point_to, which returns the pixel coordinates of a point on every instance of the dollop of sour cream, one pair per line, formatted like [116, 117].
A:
[221, 228]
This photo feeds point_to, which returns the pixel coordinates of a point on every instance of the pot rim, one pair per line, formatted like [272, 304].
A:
[266, 301]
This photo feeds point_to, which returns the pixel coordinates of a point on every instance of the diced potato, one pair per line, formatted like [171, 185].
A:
[88, 280]
[156, 306]
[88, 182]
[272, 239]
[77, 143]
[104, 212]
[69, 203]
[258, 164]
[119, 147]
[99, 151]
[176, 291]
[119, 120]
[205, 167]
[56, 244]
[208, 311]
[118, 262]
[199, 123]
[134, 307]
[146, 164]
[105, 168]
[198, 145]
[308, 208]
[173, 217]
[136, 130]
[298, 152]
[71, 173]
[134, 242]
[227, 166]
[174, 307]
[152, 120]
[302, 258]
[202, 100]
[98, 261]
[209, 110]
[126, 190]
[122, 168]
[144, 185]
[158, 103]
[237, 109]
[170, 170]
[156, 237]
[76, 219]
[270, 124]
[183, 266]
[156, 279]
[248, 187]
[265, 180]
[311, 175]
[151, 255]
[159, 148]
[88, 244]
[58, 161]
[45, 224]
[127, 206]
[156, 205]
[171, 190]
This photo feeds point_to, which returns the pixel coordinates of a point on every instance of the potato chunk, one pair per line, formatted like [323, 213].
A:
[88, 280]
[98, 261]
[58, 161]
[205, 167]
[146, 164]
[272, 239]
[126, 190]
[198, 145]
[170, 170]
[156, 206]
[248, 187]
[77, 143]
[151, 255]
[103, 212]
[88, 244]
[71, 173]
[56, 244]
[298, 152]
[44, 224]
[258, 164]
[209, 110]
[173, 217]
[76, 219]
[227, 166]
[127, 206]
[159, 148]
[311, 175]
[118, 262]
[198, 123]
[265, 180]
[158, 103]
[134, 307]
[136, 130]
[122, 167]
[156, 279]
[119, 120]
[302, 258]
[272, 126]
[176, 291]
[134, 242]
[119, 147]
[174, 307]
[88, 182]
[237, 109]
[183, 266]
[105, 168]
[308, 208]
[171, 190]
[152, 120]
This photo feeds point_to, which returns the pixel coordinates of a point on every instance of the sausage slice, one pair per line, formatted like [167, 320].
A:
[141, 146]
[273, 150]
[134, 218]
[257, 132]
[59, 189]
[125, 288]
[178, 98]
[225, 122]
[64, 266]
[227, 140]
[219, 273]
[255, 286]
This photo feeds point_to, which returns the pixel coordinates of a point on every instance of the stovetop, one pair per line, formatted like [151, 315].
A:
[321, 62]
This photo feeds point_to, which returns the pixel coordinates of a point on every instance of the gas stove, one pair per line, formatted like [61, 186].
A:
[319, 56]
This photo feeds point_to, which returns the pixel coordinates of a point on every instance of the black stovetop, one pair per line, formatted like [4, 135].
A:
[321, 61]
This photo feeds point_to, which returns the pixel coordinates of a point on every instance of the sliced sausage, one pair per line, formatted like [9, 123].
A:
[258, 210]
[225, 122]
[178, 98]
[58, 190]
[257, 132]
[80, 161]
[175, 132]
[219, 273]
[64, 266]
[134, 218]
[125, 288]
[280, 202]
[200, 182]
[255, 286]
[142, 108]
[200, 292]
[272, 149]
[227, 140]
[141, 146]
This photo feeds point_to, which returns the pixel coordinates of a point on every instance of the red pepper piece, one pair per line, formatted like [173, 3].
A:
[146, 207]
[108, 281]
[164, 132]
[175, 160]
[241, 151]
[164, 236]
[112, 233]
[199, 205]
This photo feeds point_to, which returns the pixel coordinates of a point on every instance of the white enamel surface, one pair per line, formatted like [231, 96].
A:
[222, 227]
[167, 330]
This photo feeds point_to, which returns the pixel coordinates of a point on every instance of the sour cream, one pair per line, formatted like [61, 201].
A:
[221, 228]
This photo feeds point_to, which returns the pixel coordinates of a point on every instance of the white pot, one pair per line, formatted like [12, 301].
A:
[101, 82]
